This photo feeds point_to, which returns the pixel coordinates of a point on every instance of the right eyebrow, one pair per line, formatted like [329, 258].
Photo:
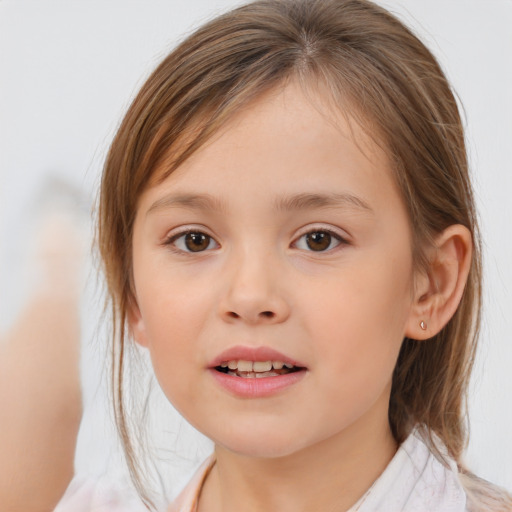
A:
[189, 201]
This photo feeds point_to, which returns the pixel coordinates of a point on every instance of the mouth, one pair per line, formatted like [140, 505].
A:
[256, 369]
[256, 372]
[248, 379]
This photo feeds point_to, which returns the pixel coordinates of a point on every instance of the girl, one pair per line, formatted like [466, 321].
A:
[287, 225]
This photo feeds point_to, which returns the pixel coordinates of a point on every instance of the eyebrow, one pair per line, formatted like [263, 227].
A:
[189, 201]
[309, 201]
[303, 201]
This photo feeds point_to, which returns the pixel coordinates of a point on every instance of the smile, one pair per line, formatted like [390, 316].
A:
[255, 372]
[256, 369]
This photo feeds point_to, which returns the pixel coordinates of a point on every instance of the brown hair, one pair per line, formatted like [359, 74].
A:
[395, 89]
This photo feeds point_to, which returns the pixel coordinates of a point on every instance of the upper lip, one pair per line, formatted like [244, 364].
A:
[244, 353]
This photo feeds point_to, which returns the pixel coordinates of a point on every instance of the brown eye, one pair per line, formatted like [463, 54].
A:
[318, 240]
[192, 241]
[196, 242]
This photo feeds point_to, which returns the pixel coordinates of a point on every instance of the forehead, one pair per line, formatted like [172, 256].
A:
[297, 100]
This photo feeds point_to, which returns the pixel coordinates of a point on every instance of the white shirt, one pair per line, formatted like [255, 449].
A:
[414, 481]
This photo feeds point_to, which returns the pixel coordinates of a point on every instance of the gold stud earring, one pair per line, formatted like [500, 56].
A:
[423, 325]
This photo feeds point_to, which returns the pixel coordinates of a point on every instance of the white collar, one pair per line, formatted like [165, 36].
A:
[415, 481]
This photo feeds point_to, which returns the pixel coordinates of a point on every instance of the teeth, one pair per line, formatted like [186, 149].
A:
[255, 375]
[256, 366]
[259, 366]
[245, 366]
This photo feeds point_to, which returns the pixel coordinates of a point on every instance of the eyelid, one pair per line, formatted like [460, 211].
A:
[183, 230]
[311, 228]
[171, 237]
[343, 239]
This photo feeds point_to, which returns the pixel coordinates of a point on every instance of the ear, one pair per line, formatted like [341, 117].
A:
[438, 291]
[136, 322]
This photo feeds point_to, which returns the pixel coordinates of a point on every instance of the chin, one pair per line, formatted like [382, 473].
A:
[260, 451]
[260, 444]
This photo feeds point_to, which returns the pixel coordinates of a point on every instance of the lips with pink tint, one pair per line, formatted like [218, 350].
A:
[255, 387]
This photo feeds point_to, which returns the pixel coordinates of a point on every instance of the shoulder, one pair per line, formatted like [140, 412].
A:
[483, 496]
[480, 495]
[104, 494]
[88, 494]
[187, 499]
[415, 480]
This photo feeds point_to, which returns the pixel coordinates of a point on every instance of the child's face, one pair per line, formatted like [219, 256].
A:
[339, 305]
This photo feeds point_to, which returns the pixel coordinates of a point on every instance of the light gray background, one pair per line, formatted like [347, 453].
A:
[68, 70]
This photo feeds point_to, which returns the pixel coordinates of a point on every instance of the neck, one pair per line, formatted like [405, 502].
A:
[331, 475]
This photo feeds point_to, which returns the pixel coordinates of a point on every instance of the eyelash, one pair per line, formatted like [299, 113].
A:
[172, 239]
[335, 237]
[170, 242]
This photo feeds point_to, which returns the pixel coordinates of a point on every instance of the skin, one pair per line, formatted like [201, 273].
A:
[343, 311]
[39, 360]
[40, 396]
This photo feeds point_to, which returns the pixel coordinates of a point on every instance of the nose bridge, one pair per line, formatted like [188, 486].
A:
[253, 289]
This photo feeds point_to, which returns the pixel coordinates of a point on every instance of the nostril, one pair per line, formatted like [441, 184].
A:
[262, 314]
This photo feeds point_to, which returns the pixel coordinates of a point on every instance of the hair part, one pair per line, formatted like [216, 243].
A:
[385, 79]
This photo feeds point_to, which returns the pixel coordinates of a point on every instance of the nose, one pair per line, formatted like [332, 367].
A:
[253, 294]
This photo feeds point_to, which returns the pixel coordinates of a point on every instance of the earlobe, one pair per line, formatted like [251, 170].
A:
[136, 323]
[438, 292]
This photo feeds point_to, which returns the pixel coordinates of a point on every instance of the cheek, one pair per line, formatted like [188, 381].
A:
[363, 318]
[174, 311]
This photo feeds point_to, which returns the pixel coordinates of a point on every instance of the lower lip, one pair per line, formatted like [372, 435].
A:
[256, 387]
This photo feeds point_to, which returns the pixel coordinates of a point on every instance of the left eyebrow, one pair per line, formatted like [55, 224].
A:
[309, 201]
